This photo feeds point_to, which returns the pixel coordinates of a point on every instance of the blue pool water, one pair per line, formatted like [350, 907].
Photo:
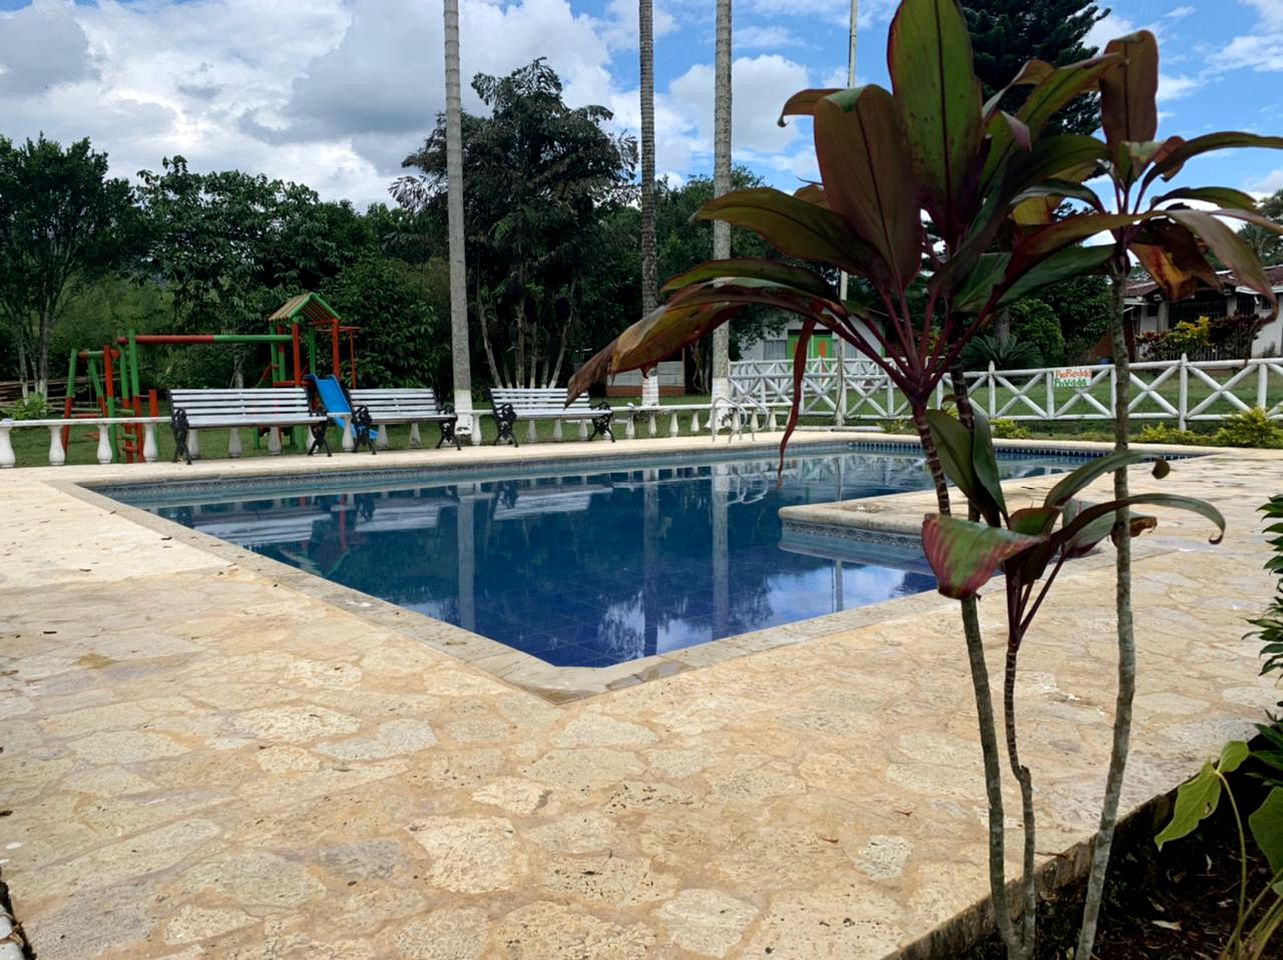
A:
[585, 569]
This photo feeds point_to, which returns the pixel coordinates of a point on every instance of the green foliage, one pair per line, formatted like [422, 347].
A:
[231, 246]
[1034, 322]
[1260, 917]
[1251, 428]
[403, 311]
[1166, 433]
[1269, 626]
[33, 407]
[1004, 352]
[1082, 309]
[63, 225]
[1266, 244]
[1009, 430]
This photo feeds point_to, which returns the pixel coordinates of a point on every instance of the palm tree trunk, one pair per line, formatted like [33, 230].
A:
[722, 181]
[646, 51]
[454, 210]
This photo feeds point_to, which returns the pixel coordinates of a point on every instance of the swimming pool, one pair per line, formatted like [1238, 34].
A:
[587, 564]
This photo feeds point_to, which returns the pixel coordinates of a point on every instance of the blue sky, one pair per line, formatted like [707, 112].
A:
[333, 93]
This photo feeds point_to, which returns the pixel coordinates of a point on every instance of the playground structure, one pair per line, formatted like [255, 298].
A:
[293, 351]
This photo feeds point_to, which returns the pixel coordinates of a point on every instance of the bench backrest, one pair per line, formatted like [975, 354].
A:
[408, 402]
[265, 405]
[539, 400]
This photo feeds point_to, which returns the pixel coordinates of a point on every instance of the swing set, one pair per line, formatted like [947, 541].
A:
[113, 371]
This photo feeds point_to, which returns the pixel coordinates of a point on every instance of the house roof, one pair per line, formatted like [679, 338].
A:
[1137, 289]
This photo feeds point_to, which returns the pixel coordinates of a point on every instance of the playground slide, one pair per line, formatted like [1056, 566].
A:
[332, 396]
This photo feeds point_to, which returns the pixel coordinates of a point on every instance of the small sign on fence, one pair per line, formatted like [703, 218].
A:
[1073, 377]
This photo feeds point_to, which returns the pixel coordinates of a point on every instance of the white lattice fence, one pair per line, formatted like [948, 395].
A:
[1178, 390]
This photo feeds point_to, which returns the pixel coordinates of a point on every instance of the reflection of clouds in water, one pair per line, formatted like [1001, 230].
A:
[797, 596]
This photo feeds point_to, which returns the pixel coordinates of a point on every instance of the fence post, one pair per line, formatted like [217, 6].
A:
[1262, 384]
[1182, 404]
[1051, 394]
[993, 393]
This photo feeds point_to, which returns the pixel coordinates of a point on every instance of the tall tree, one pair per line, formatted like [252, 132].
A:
[1265, 243]
[1005, 34]
[543, 177]
[722, 181]
[683, 241]
[63, 224]
[646, 53]
[231, 246]
[454, 188]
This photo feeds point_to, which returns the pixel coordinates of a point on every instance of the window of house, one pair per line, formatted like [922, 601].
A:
[1245, 303]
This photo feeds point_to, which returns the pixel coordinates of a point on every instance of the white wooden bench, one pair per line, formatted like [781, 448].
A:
[412, 405]
[547, 403]
[192, 410]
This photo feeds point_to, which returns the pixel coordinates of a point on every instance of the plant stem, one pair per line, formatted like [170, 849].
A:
[984, 713]
[1015, 634]
[1126, 628]
[1242, 860]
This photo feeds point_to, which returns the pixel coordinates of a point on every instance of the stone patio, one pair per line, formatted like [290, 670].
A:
[205, 757]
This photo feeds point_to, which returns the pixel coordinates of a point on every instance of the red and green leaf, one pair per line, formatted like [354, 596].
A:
[772, 271]
[1221, 196]
[929, 58]
[796, 228]
[1228, 246]
[1129, 89]
[860, 146]
[964, 555]
[1068, 534]
[1176, 152]
[1093, 470]
[802, 103]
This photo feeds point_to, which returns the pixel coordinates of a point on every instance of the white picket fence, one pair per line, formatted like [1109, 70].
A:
[1181, 390]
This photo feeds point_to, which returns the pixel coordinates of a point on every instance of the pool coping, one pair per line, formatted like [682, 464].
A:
[968, 922]
[849, 520]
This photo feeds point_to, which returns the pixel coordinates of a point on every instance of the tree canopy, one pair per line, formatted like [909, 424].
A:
[542, 177]
[1007, 33]
[63, 224]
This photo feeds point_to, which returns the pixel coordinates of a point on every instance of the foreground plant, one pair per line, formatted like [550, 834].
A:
[936, 245]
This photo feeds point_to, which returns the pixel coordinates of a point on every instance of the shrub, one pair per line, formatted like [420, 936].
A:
[1005, 353]
[1166, 433]
[34, 407]
[1033, 322]
[1008, 430]
[1251, 428]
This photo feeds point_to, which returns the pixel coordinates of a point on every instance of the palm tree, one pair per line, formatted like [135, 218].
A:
[454, 206]
[840, 417]
[722, 181]
[646, 48]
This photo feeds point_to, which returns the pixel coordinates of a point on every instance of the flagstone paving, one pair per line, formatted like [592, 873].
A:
[204, 761]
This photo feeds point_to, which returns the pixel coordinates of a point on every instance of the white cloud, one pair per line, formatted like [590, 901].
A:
[1109, 28]
[764, 38]
[1172, 87]
[760, 85]
[1267, 185]
[621, 29]
[332, 93]
[1261, 48]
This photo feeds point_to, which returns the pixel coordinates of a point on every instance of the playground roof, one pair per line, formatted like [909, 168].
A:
[312, 306]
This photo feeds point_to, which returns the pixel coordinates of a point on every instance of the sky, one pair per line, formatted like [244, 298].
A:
[335, 93]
